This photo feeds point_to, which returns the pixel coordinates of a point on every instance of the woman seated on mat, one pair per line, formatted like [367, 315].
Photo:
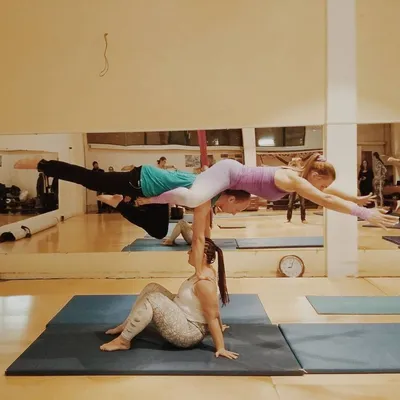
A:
[183, 319]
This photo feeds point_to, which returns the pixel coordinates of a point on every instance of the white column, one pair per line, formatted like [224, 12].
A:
[249, 146]
[340, 134]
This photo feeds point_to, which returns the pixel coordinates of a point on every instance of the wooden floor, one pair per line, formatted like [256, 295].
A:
[6, 219]
[110, 233]
[26, 307]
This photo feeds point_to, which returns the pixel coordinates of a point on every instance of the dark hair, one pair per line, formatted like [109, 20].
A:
[94, 162]
[378, 157]
[362, 167]
[210, 248]
[240, 195]
[161, 159]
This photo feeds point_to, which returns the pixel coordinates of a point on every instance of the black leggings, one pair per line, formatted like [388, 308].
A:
[153, 218]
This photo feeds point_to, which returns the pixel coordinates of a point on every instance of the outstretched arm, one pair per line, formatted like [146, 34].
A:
[200, 223]
[360, 200]
[292, 182]
[206, 293]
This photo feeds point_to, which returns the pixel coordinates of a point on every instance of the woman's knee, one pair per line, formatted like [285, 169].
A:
[152, 287]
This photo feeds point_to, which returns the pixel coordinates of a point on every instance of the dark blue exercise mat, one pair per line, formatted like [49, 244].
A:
[280, 242]
[345, 348]
[181, 245]
[353, 305]
[111, 310]
[393, 239]
[186, 217]
[74, 350]
[397, 226]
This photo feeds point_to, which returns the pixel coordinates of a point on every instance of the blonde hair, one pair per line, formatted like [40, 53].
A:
[318, 164]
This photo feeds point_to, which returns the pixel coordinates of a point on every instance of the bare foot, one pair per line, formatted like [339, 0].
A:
[304, 222]
[167, 242]
[118, 343]
[112, 201]
[27, 163]
[141, 201]
[288, 222]
[116, 331]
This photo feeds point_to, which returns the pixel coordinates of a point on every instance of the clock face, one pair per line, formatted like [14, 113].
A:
[291, 266]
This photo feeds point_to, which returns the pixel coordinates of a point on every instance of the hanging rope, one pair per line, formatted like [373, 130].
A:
[105, 69]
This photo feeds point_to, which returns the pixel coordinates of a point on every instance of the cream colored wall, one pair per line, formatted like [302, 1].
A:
[378, 60]
[177, 64]
[24, 179]
[70, 148]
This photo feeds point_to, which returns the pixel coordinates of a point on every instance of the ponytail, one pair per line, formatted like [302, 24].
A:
[319, 164]
[210, 249]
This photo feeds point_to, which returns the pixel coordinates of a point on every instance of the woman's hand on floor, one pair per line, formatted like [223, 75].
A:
[227, 354]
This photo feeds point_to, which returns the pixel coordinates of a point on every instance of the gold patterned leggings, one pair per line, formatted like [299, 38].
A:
[155, 304]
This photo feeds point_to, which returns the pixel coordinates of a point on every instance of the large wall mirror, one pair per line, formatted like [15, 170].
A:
[378, 168]
[93, 226]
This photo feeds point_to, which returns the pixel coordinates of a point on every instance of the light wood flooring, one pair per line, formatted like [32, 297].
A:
[26, 307]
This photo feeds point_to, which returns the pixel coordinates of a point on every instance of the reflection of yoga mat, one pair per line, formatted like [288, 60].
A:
[345, 348]
[361, 305]
[171, 227]
[74, 350]
[397, 226]
[393, 239]
[280, 242]
[111, 310]
[231, 225]
[320, 213]
[181, 245]
[186, 217]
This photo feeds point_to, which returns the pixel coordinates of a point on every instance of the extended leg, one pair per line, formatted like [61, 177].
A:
[303, 209]
[106, 182]
[171, 322]
[181, 228]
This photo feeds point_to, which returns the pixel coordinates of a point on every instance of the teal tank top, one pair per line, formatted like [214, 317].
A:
[155, 181]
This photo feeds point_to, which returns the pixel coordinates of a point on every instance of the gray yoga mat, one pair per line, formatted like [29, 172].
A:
[357, 305]
[397, 226]
[74, 350]
[392, 239]
[321, 214]
[181, 245]
[281, 242]
[345, 348]
[111, 310]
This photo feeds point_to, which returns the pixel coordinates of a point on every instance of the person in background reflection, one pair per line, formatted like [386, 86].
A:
[100, 205]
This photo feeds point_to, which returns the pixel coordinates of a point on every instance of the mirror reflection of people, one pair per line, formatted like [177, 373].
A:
[380, 172]
[162, 163]
[296, 162]
[96, 168]
[365, 179]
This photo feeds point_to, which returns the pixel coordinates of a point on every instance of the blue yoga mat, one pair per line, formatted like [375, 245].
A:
[111, 310]
[345, 348]
[181, 245]
[75, 350]
[361, 305]
[281, 242]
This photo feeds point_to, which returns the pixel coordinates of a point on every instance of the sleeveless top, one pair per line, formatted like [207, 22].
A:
[259, 181]
[155, 181]
[188, 302]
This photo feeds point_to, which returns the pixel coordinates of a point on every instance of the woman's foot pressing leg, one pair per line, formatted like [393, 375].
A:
[111, 200]
[117, 330]
[118, 343]
[142, 201]
[27, 163]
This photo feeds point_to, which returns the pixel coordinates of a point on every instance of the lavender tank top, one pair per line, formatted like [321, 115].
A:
[259, 181]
